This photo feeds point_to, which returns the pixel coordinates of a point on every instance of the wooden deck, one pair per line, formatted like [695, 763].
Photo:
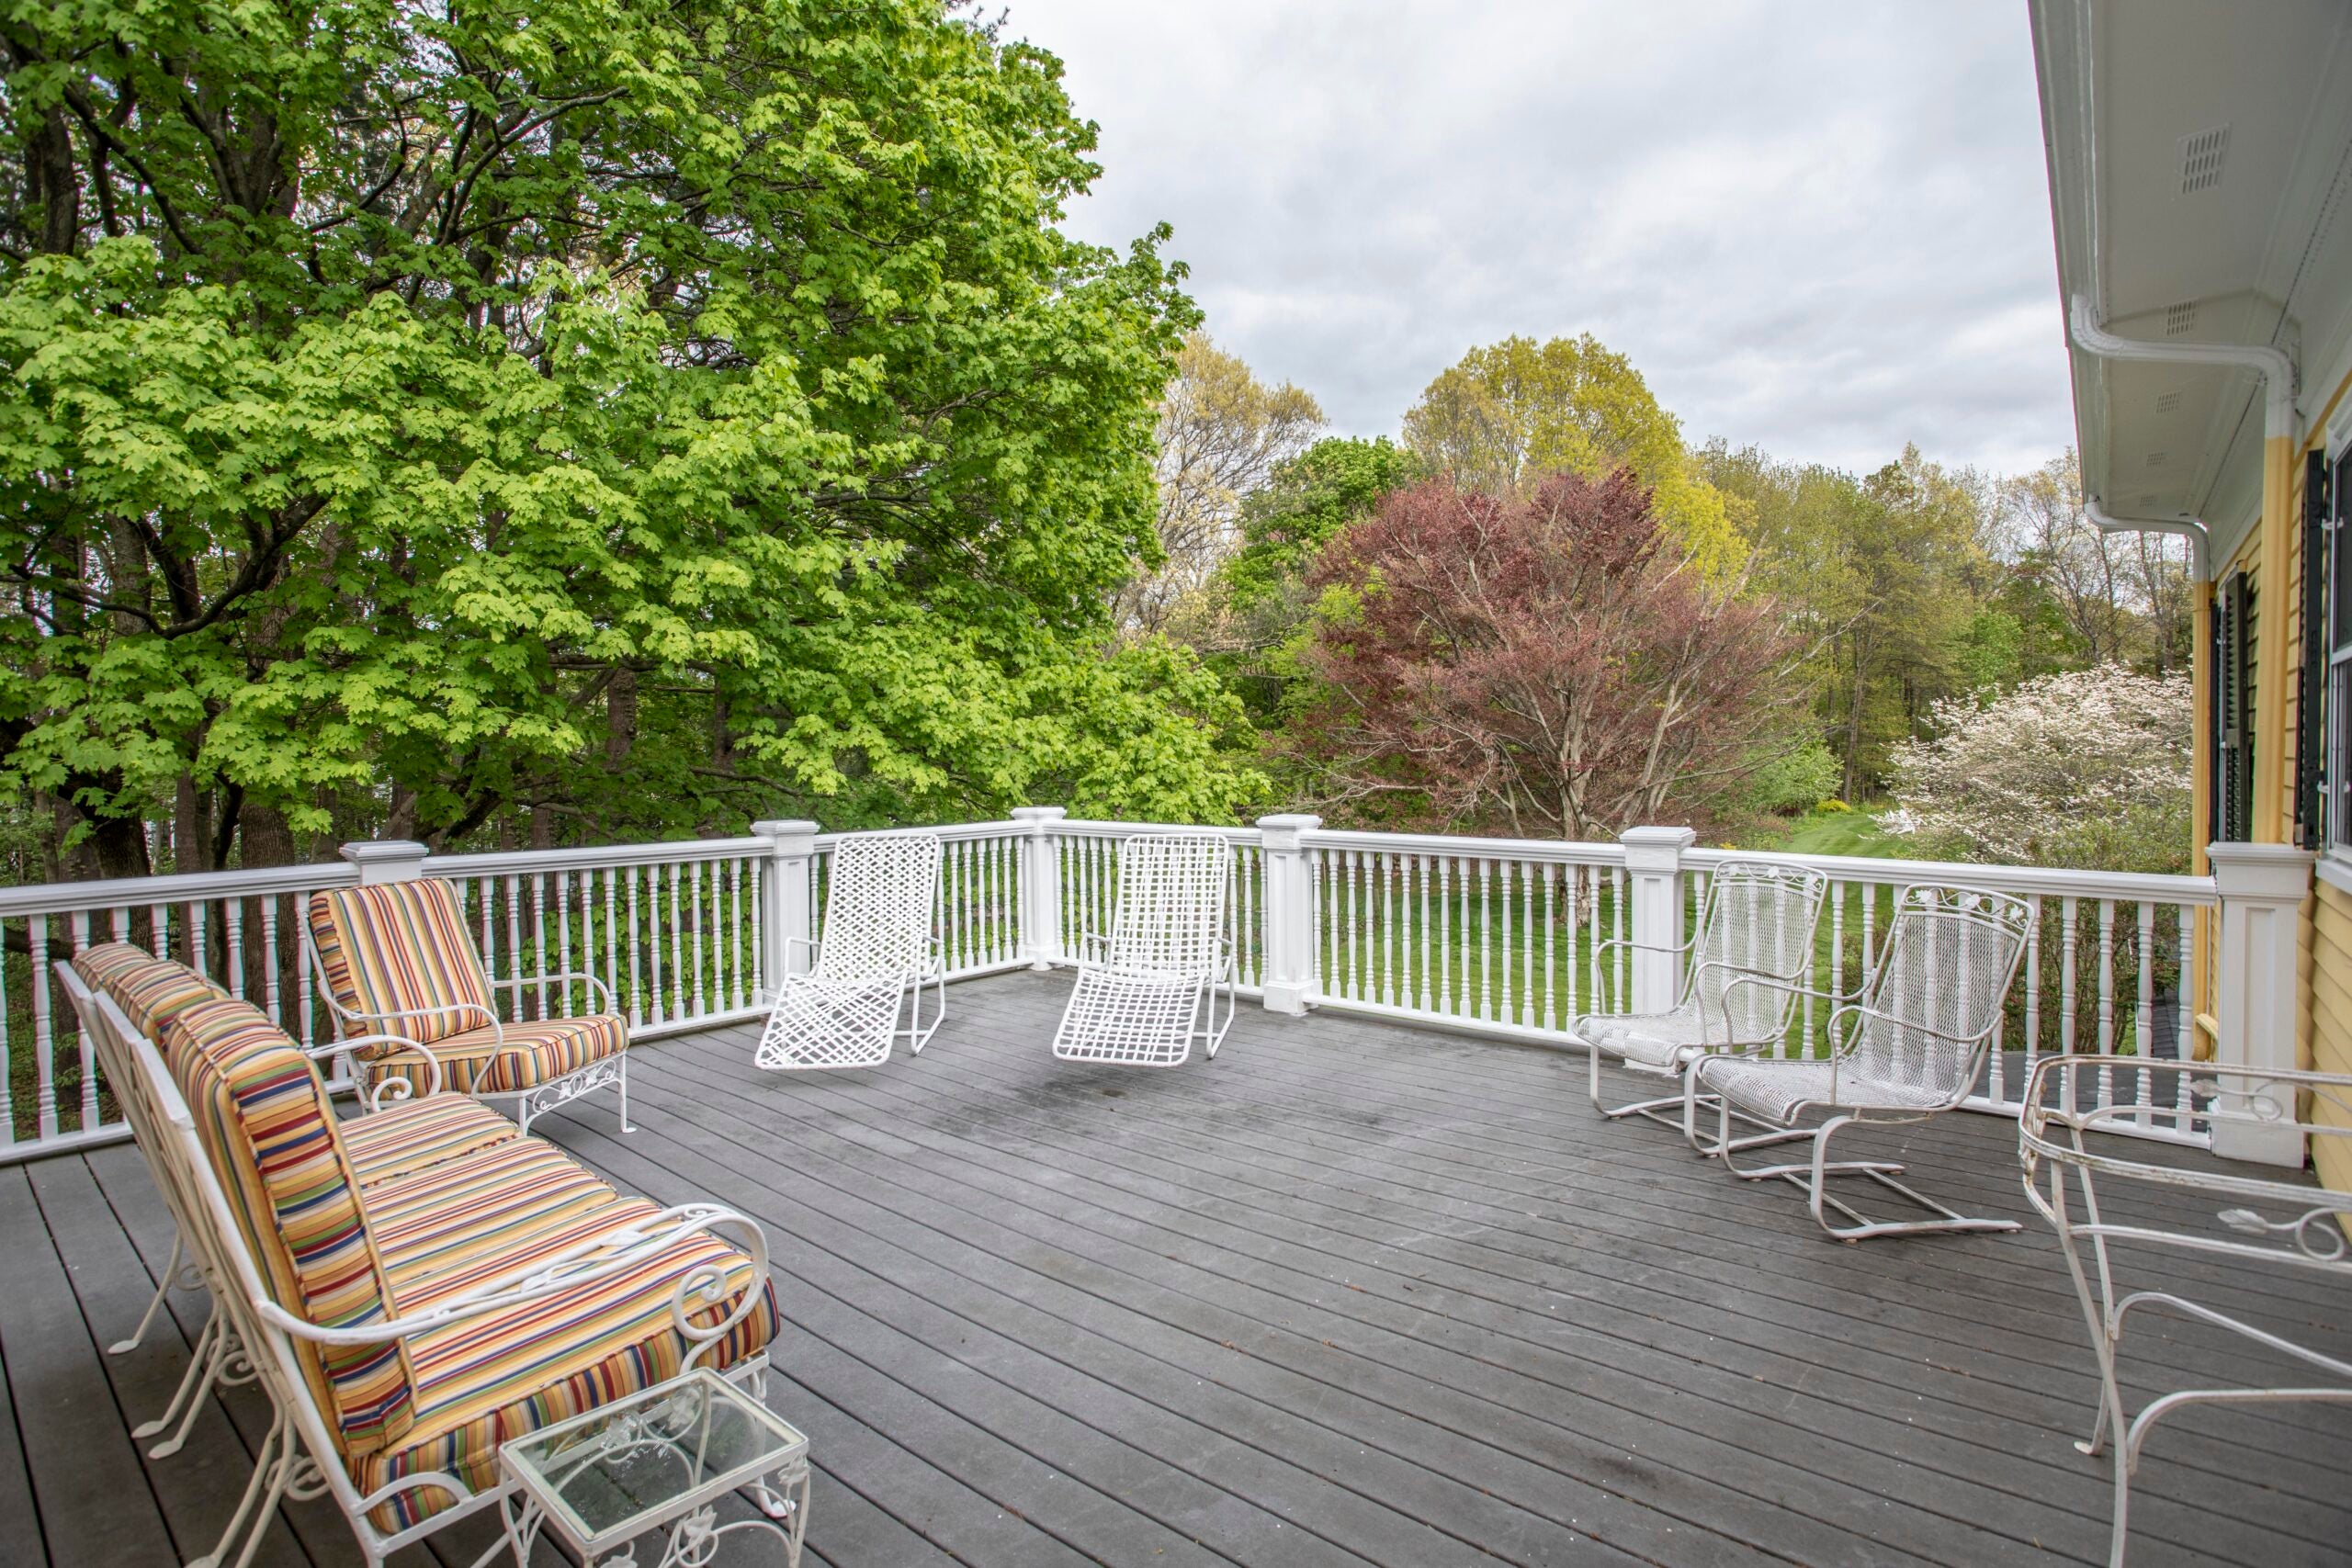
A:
[1352, 1293]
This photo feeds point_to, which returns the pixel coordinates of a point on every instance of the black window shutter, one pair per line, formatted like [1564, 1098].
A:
[2233, 710]
[2310, 689]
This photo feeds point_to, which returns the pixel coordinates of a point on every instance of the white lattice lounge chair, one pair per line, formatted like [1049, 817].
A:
[1147, 991]
[1755, 935]
[1913, 1045]
[877, 952]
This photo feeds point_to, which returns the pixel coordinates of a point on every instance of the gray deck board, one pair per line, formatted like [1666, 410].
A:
[1354, 1293]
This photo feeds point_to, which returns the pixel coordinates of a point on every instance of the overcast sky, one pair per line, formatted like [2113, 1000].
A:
[1821, 228]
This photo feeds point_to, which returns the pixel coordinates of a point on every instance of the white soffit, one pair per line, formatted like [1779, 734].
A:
[2201, 165]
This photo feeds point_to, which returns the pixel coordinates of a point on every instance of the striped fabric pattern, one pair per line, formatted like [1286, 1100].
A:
[395, 945]
[477, 1062]
[268, 1125]
[486, 1382]
[415, 1135]
[151, 991]
[493, 1201]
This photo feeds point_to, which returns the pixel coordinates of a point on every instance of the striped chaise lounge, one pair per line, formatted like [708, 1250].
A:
[414, 1011]
[406, 1323]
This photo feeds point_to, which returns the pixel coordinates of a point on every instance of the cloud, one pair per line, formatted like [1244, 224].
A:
[1821, 228]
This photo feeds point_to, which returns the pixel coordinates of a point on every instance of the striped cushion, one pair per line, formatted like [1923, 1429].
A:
[491, 1201]
[493, 1378]
[417, 1135]
[478, 1061]
[394, 946]
[266, 1122]
[150, 990]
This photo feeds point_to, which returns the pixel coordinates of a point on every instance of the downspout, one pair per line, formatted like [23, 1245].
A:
[2201, 565]
[2276, 367]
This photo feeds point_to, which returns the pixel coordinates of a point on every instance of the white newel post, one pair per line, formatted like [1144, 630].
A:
[386, 860]
[2262, 888]
[1288, 945]
[785, 921]
[1654, 868]
[1040, 883]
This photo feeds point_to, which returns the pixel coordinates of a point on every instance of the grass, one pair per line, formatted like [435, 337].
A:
[1854, 832]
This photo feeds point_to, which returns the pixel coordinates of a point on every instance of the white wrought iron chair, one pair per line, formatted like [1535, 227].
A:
[1755, 935]
[1912, 1046]
[2273, 1228]
[878, 949]
[1142, 991]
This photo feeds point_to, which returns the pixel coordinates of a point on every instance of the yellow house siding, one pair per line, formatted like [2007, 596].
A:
[2329, 978]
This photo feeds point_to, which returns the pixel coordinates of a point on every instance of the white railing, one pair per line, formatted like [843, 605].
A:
[1506, 937]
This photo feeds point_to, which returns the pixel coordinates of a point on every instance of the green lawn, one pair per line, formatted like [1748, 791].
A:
[1854, 832]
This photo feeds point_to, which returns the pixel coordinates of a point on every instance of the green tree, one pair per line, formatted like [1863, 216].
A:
[583, 417]
[1511, 415]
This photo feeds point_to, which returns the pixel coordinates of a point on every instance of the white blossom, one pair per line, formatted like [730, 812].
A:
[2089, 768]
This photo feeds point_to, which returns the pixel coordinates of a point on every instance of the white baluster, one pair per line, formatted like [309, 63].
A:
[44, 1038]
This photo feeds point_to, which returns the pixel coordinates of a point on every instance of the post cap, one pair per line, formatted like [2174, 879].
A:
[1655, 849]
[791, 836]
[2268, 873]
[1039, 813]
[386, 860]
[1282, 831]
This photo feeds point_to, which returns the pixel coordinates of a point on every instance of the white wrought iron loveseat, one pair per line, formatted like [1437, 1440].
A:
[410, 1296]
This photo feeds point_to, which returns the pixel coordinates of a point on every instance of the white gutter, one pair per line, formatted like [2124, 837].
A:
[2274, 366]
[2190, 528]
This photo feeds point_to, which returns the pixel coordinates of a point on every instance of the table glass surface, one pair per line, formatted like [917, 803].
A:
[599, 1473]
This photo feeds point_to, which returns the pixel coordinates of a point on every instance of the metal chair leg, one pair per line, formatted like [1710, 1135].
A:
[162, 1288]
[1811, 1178]
[197, 1376]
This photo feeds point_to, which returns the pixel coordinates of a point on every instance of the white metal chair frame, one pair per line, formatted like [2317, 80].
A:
[1714, 1016]
[1856, 1096]
[1148, 991]
[537, 1101]
[879, 949]
[298, 1458]
[217, 1358]
[2310, 1238]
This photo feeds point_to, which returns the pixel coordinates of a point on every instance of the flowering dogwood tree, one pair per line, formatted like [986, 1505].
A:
[2087, 768]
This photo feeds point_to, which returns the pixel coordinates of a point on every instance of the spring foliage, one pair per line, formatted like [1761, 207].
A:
[655, 413]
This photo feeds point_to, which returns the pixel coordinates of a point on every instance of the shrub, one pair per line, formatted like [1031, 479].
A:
[1788, 784]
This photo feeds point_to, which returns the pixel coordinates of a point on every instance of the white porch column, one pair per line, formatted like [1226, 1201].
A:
[386, 860]
[1288, 945]
[1653, 869]
[786, 923]
[1040, 885]
[2262, 888]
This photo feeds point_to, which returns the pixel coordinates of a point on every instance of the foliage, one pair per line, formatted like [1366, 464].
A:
[1545, 664]
[594, 415]
[1511, 415]
[1221, 434]
[2088, 767]
[1786, 781]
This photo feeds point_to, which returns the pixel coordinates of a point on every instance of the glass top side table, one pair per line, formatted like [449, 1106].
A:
[663, 1457]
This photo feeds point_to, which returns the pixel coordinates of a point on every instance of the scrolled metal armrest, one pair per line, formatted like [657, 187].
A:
[599, 986]
[402, 1046]
[585, 1263]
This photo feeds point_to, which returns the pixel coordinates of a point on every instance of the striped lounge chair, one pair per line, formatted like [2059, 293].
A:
[415, 1015]
[406, 1326]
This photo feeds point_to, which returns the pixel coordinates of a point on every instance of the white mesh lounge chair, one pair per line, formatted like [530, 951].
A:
[1146, 991]
[1911, 1046]
[1755, 934]
[877, 952]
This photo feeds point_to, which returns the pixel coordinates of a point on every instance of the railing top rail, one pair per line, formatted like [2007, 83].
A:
[2049, 882]
[136, 891]
[949, 832]
[511, 863]
[1083, 829]
[1569, 851]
